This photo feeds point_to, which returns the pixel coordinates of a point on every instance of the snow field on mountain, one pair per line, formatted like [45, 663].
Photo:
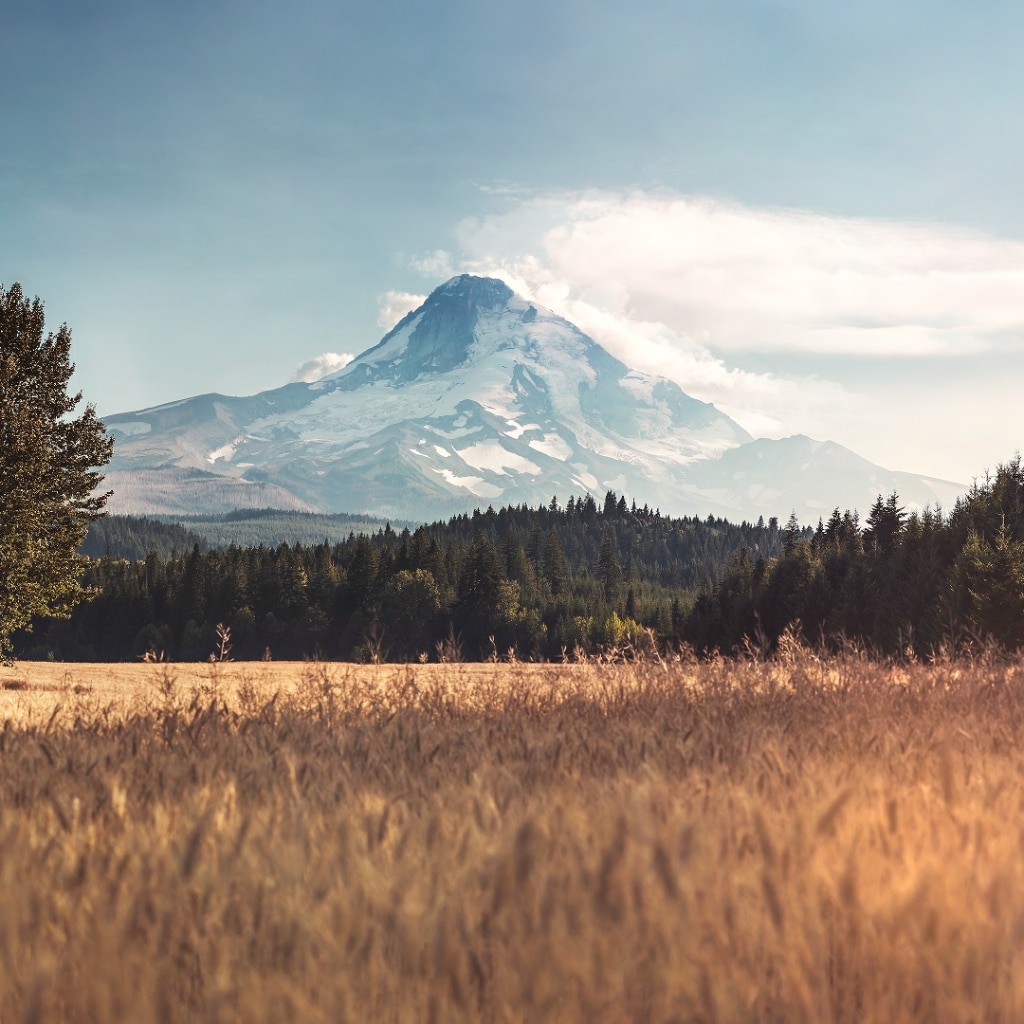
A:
[482, 394]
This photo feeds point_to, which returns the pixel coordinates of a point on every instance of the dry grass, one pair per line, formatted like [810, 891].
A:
[794, 841]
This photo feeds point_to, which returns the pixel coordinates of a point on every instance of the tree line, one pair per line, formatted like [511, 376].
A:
[134, 537]
[542, 582]
[551, 582]
[902, 583]
[529, 583]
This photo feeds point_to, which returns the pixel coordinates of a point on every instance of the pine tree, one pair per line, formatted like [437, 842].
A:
[362, 574]
[534, 545]
[47, 469]
[791, 535]
[556, 570]
[608, 565]
[884, 524]
[479, 594]
[988, 578]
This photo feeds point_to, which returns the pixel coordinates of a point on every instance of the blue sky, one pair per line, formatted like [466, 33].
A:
[806, 211]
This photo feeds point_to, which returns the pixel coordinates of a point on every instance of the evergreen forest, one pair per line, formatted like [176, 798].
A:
[558, 582]
[544, 583]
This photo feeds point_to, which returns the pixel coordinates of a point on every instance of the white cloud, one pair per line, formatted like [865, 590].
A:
[320, 366]
[766, 404]
[438, 264]
[604, 261]
[394, 305]
[742, 279]
[695, 288]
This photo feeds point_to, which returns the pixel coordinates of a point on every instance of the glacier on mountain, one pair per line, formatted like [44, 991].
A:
[478, 395]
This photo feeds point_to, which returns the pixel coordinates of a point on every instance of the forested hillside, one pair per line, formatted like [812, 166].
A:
[554, 581]
[901, 583]
[134, 537]
[539, 581]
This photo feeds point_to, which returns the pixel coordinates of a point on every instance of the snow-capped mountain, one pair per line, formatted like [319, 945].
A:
[477, 397]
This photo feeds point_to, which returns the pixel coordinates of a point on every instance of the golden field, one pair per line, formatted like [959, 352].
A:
[796, 840]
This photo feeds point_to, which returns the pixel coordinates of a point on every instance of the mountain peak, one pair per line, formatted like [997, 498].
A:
[436, 337]
[470, 290]
[477, 395]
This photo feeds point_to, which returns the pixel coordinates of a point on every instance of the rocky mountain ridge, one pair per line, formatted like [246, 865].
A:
[480, 397]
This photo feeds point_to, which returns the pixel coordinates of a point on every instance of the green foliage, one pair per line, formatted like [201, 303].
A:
[556, 570]
[251, 527]
[135, 537]
[556, 582]
[476, 612]
[535, 580]
[411, 606]
[47, 474]
[617, 632]
[914, 582]
[608, 564]
[988, 581]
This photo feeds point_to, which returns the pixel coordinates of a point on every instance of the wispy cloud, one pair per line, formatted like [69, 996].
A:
[767, 404]
[735, 278]
[692, 287]
[321, 366]
[440, 263]
[392, 306]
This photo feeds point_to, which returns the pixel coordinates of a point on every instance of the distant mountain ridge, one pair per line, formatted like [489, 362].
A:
[478, 397]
